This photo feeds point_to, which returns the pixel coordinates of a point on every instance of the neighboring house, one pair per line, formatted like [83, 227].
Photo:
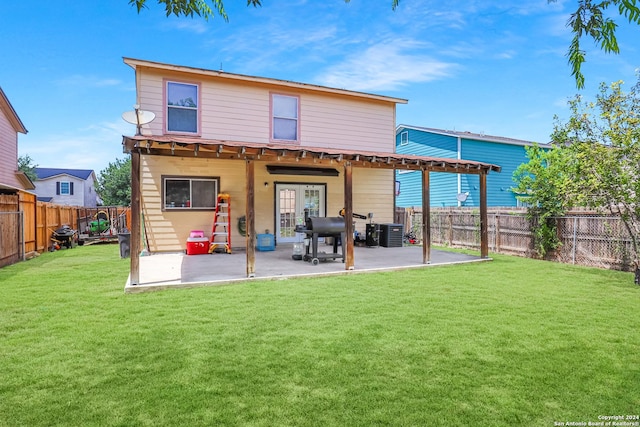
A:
[458, 189]
[11, 180]
[276, 147]
[71, 187]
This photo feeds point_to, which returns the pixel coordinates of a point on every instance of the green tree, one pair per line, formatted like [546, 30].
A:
[603, 137]
[205, 8]
[542, 184]
[595, 163]
[589, 20]
[26, 165]
[114, 183]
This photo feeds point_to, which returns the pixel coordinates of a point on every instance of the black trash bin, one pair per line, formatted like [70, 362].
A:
[124, 239]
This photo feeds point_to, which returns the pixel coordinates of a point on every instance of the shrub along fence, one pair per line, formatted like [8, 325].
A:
[586, 238]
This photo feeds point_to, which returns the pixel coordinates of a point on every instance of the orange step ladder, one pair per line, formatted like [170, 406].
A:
[220, 239]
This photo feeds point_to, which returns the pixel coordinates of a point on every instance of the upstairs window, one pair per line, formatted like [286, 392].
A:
[64, 188]
[404, 138]
[284, 118]
[182, 107]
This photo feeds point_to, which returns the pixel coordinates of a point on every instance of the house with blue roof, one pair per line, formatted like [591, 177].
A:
[72, 187]
[452, 190]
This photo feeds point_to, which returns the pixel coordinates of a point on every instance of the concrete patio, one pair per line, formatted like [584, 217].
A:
[178, 270]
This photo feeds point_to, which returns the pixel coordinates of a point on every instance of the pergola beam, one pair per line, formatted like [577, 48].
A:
[426, 218]
[308, 155]
[250, 215]
[347, 245]
[135, 236]
[484, 226]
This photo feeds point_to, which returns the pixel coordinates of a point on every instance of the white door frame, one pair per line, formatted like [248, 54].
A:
[287, 217]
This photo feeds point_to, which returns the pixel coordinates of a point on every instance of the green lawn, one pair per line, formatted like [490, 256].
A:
[505, 343]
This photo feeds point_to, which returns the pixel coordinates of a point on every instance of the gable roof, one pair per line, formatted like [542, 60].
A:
[24, 179]
[469, 135]
[44, 173]
[11, 114]
[135, 63]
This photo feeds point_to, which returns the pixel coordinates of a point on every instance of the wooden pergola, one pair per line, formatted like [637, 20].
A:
[297, 155]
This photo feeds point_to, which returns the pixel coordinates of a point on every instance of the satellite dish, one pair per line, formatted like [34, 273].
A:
[462, 197]
[138, 117]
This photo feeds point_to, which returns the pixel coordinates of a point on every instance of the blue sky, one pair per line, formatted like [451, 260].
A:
[485, 66]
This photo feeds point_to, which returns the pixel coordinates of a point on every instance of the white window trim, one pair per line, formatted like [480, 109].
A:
[68, 192]
[166, 205]
[167, 106]
[403, 140]
[272, 117]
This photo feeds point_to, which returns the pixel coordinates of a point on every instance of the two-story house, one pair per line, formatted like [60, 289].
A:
[71, 187]
[276, 147]
[459, 189]
[11, 179]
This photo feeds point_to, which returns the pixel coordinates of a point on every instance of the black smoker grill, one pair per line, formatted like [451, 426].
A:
[317, 227]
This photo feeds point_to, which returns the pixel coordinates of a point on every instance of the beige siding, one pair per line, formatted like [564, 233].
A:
[346, 124]
[240, 112]
[169, 230]
[8, 153]
[373, 191]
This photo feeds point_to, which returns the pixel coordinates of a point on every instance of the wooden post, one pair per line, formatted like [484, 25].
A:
[134, 249]
[426, 218]
[496, 220]
[450, 228]
[484, 226]
[35, 223]
[250, 214]
[46, 242]
[347, 245]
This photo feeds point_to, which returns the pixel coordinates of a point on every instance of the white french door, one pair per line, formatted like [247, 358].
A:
[291, 201]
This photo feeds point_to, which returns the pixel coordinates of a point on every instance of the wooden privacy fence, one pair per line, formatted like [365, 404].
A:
[26, 225]
[586, 238]
[11, 238]
[50, 217]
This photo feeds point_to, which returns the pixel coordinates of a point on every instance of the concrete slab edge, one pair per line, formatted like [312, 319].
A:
[160, 286]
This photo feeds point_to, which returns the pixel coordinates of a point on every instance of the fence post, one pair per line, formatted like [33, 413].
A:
[575, 238]
[497, 231]
[21, 225]
[45, 227]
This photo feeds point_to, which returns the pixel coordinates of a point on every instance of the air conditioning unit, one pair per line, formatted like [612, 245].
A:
[391, 235]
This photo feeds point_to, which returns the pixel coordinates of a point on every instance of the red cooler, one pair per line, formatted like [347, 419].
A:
[197, 246]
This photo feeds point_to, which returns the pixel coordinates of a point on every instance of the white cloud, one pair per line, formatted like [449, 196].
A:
[193, 26]
[385, 66]
[509, 54]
